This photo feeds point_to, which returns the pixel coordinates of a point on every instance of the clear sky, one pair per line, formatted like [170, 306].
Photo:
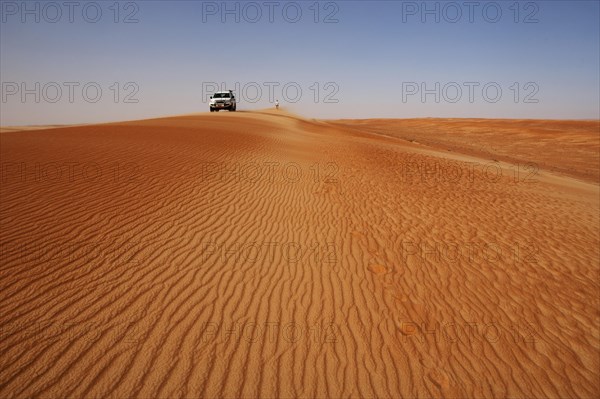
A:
[349, 59]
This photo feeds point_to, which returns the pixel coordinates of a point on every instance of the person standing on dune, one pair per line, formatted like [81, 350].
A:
[276, 104]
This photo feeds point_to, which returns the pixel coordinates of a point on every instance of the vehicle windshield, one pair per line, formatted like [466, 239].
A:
[221, 95]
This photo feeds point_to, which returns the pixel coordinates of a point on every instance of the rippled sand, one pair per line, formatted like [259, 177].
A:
[259, 254]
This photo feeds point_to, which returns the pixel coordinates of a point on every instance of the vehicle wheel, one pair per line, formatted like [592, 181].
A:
[212, 110]
[235, 107]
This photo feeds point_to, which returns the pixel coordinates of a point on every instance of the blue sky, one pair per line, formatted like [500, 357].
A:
[359, 59]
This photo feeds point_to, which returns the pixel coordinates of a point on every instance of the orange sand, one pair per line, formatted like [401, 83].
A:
[259, 254]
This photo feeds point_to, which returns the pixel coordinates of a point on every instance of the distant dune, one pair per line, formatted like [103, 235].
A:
[6, 129]
[260, 254]
[567, 147]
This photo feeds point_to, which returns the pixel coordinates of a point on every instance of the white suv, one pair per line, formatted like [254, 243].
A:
[222, 100]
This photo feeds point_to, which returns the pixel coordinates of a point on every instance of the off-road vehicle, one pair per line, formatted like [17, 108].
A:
[222, 100]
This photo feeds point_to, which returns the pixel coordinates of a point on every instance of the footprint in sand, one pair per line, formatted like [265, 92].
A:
[442, 381]
[371, 245]
[439, 378]
[401, 298]
[377, 269]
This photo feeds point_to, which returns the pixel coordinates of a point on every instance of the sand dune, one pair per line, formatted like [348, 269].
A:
[6, 129]
[568, 147]
[259, 254]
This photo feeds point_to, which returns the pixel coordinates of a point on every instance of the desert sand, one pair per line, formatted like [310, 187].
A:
[261, 254]
[6, 129]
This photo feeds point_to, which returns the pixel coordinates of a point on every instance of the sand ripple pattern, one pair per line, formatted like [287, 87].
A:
[265, 255]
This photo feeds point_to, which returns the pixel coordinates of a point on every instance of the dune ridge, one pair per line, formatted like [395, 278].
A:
[260, 254]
